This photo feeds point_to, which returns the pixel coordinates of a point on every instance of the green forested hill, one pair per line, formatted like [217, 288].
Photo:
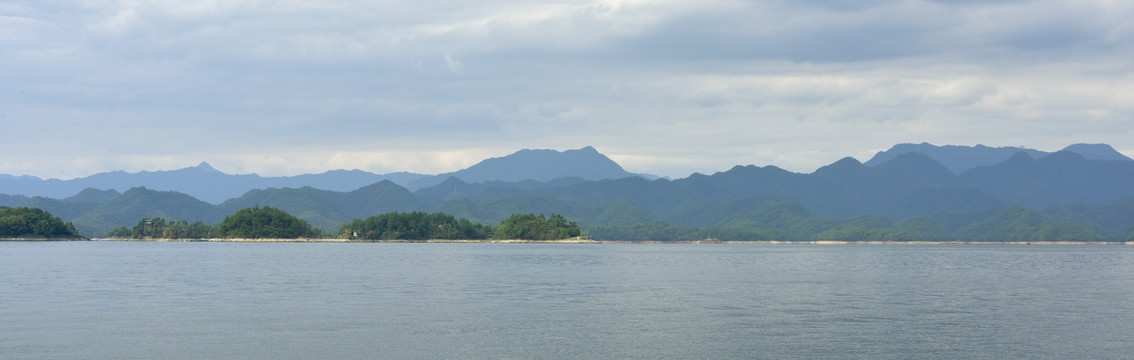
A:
[138, 203]
[12, 200]
[265, 223]
[329, 209]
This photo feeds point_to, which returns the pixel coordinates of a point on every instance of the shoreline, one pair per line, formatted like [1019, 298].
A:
[36, 238]
[338, 240]
[830, 242]
[582, 241]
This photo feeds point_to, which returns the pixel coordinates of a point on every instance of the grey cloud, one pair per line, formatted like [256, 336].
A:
[967, 31]
[706, 84]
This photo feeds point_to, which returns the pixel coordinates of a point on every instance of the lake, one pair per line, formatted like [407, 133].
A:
[149, 300]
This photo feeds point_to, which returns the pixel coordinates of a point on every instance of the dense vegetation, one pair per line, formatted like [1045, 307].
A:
[1023, 224]
[531, 227]
[414, 226]
[32, 222]
[160, 228]
[265, 223]
[786, 221]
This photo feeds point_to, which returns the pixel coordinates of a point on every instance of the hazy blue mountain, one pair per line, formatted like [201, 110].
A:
[453, 188]
[959, 159]
[910, 185]
[843, 189]
[12, 200]
[63, 209]
[92, 195]
[914, 170]
[931, 201]
[380, 198]
[623, 211]
[341, 180]
[29, 186]
[539, 165]
[201, 181]
[1097, 152]
[208, 184]
[1061, 178]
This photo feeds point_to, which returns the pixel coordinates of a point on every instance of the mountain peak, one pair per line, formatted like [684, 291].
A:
[1018, 160]
[842, 167]
[586, 149]
[92, 195]
[204, 166]
[1097, 152]
[536, 164]
[956, 158]
[916, 165]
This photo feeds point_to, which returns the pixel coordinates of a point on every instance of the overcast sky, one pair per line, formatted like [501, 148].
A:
[286, 87]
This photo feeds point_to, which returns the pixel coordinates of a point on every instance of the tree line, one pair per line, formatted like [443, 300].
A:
[414, 226]
[423, 226]
[248, 223]
[32, 222]
[529, 226]
[267, 222]
[161, 228]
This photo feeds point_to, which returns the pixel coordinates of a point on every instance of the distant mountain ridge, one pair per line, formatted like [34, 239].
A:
[211, 185]
[201, 181]
[539, 165]
[959, 159]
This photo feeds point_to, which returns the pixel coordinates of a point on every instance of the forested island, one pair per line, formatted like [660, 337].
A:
[271, 223]
[249, 223]
[25, 223]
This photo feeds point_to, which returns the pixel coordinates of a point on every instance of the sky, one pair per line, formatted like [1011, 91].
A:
[288, 87]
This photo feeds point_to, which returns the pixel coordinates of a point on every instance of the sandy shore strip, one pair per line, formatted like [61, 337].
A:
[63, 238]
[336, 240]
[587, 241]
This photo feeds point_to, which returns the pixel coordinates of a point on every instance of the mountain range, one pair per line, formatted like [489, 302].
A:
[208, 184]
[1079, 193]
[959, 159]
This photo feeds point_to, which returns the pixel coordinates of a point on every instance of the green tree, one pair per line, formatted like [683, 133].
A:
[531, 227]
[265, 223]
[121, 232]
[26, 221]
[414, 226]
[160, 228]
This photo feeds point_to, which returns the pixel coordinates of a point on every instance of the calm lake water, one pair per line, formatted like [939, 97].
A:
[112, 300]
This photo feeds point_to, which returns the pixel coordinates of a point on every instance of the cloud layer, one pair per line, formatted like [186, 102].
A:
[666, 87]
